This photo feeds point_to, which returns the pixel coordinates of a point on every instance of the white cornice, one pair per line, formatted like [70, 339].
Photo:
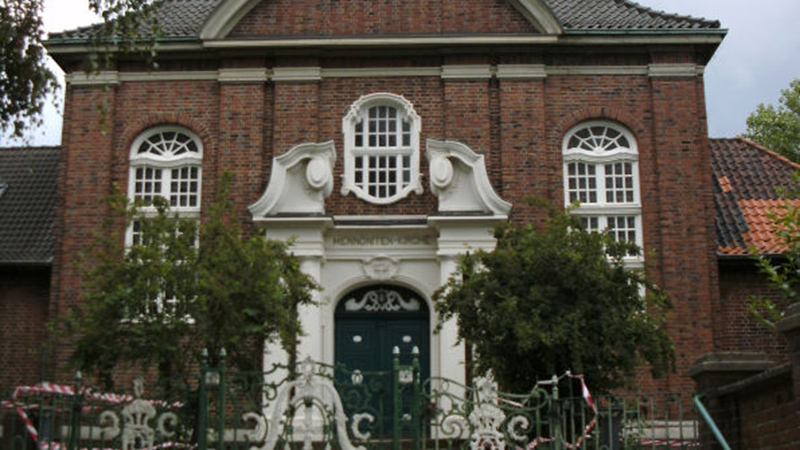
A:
[382, 72]
[674, 70]
[467, 72]
[501, 71]
[255, 75]
[597, 70]
[521, 71]
[196, 75]
[82, 49]
[92, 79]
[413, 41]
[296, 74]
[641, 39]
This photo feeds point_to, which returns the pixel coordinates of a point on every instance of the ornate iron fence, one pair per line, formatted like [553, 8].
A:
[315, 406]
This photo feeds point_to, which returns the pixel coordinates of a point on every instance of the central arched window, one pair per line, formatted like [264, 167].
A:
[601, 175]
[381, 134]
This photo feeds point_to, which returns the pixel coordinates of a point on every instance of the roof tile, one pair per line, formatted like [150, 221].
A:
[185, 18]
[27, 207]
[748, 179]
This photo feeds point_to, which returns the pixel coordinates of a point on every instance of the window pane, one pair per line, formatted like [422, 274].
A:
[619, 183]
[581, 182]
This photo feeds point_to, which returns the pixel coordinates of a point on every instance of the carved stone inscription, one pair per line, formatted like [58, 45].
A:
[383, 240]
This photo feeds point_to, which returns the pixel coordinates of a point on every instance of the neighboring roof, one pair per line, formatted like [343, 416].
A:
[186, 18]
[27, 207]
[576, 15]
[747, 181]
[177, 18]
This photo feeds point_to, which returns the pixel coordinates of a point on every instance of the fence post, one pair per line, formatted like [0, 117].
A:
[415, 398]
[556, 415]
[221, 402]
[202, 407]
[75, 414]
[396, 398]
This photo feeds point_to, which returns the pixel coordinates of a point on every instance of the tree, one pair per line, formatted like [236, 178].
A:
[159, 302]
[778, 128]
[557, 299]
[25, 79]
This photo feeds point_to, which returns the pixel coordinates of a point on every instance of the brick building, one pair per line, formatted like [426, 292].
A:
[27, 218]
[389, 137]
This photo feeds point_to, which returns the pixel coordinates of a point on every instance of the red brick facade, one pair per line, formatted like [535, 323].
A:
[517, 123]
[365, 17]
[23, 315]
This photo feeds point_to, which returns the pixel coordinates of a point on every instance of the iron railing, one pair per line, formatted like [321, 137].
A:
[314, 406]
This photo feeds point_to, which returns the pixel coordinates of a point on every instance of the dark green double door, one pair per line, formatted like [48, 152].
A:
[370, 322]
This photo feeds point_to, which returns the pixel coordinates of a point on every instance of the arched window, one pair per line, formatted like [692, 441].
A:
[601, 174]
[381, 155]
[166, 161]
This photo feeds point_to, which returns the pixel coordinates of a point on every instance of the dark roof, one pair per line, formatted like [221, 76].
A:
[27, 207]
[747, 181]
[620, 15]
[185, 18]
[177, 18]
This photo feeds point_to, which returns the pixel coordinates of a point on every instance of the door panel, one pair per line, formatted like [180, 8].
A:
[365, 338]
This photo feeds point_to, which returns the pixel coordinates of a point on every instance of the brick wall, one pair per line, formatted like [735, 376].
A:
[23, 315]
[754, 403]
[768, 417]
[385, 17]
[518, 124]
[736, 327]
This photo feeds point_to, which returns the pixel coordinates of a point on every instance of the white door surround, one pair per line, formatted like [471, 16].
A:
[344, 253]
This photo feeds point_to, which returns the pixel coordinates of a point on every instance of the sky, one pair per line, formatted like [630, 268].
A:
[757, 59]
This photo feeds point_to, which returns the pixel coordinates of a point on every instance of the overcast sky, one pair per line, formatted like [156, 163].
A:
[757, 59]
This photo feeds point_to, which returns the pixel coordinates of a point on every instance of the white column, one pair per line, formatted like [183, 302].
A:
[451, 352]
[308, 246]
[458, 235]
[311, 315]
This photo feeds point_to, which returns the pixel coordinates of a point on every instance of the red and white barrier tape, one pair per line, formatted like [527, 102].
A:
[587, 431]
[669, 443]
[52, 388]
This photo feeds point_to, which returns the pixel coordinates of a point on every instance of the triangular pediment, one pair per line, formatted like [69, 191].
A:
[330, 18]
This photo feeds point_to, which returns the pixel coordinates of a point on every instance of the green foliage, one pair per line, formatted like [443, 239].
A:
[26, 82]
[782, 272]
[778, 128]
[25, 79]
[556, 299]
[229, 292]
[129, 26]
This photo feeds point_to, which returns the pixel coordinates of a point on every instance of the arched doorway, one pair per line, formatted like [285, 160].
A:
[370, 322]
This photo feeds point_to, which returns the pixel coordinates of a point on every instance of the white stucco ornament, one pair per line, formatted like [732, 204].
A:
[301, 179]
[318, 173]
[441, 172]
[380, 267]
[458, 178]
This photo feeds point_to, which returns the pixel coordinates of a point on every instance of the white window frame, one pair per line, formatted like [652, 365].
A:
[358, 115]
[621, 148]
[175, 155]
